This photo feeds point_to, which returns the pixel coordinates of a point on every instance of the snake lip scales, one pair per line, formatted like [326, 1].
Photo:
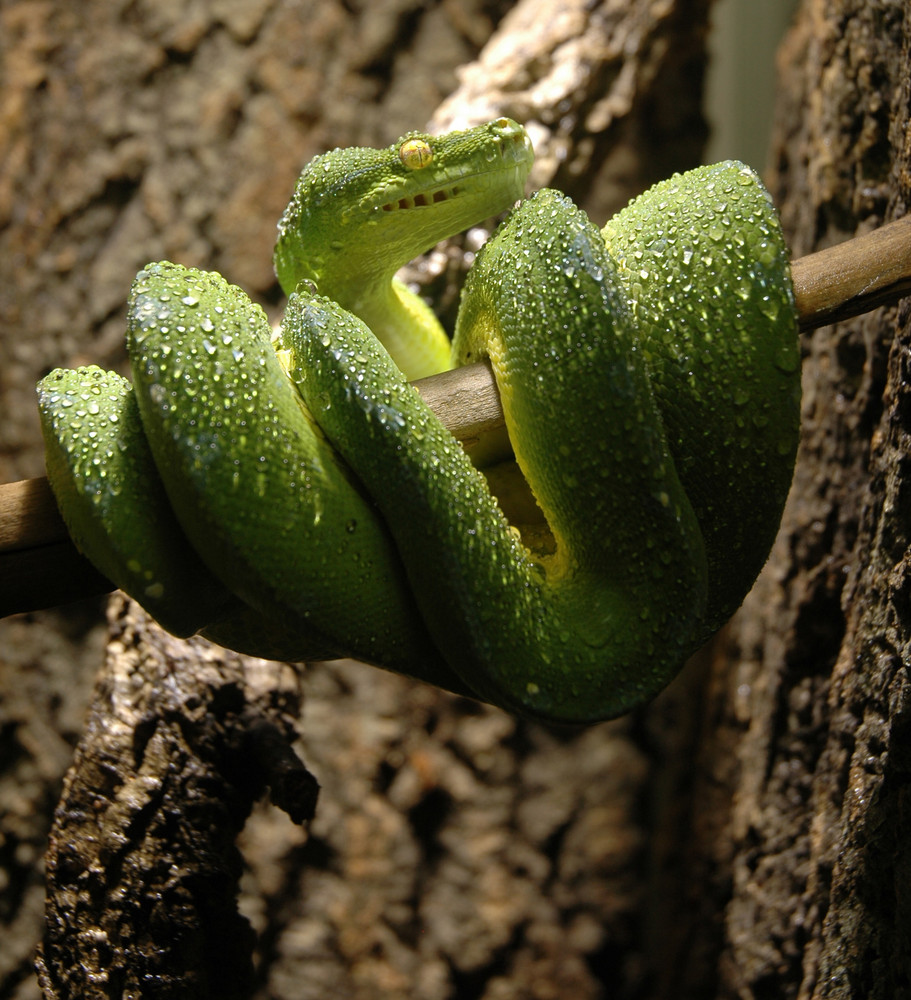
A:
[293, 497]
[422, 200]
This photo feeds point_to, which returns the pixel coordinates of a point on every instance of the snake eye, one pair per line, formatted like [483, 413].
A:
[415, 154]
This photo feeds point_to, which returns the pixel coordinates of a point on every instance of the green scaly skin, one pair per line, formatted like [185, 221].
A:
[358, 215]
[725, 357]
[650, 381]
[288, 559]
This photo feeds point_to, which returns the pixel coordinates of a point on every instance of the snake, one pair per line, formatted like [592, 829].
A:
[287, 493]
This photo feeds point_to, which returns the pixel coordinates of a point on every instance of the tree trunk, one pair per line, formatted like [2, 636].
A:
[809, 693]
[741, 837]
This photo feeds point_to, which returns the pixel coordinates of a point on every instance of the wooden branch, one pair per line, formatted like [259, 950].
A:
[855, 276]
[40, 567]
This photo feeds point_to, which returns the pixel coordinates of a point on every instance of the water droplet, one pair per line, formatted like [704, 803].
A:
[769, 306]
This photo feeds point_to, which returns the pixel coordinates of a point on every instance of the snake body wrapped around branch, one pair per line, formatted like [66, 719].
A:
[291, 495]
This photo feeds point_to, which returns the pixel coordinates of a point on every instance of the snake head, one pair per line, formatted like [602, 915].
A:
[367, 212]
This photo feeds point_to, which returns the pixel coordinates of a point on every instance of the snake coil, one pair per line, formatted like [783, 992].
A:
[291, 496]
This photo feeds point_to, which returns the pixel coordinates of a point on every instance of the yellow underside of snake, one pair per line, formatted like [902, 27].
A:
[291, 496]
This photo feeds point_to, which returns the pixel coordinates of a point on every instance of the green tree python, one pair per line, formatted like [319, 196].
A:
[290, 495]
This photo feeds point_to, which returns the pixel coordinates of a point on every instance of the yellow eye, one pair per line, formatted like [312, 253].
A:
[415, 154]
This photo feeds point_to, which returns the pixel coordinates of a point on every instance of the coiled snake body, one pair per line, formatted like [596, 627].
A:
[293, 497]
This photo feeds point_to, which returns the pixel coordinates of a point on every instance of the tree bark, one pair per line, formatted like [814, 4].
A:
[810, 684]
[741, 837]
[181, 739]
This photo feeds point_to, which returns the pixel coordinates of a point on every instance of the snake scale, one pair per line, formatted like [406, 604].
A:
[290, 495]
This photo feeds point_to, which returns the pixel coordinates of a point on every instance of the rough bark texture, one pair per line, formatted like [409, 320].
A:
[797, 855]
[181, 739]
[815, 667]
[743, 837]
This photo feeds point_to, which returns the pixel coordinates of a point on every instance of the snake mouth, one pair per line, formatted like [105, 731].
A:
[422, 199]
[513, 165]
